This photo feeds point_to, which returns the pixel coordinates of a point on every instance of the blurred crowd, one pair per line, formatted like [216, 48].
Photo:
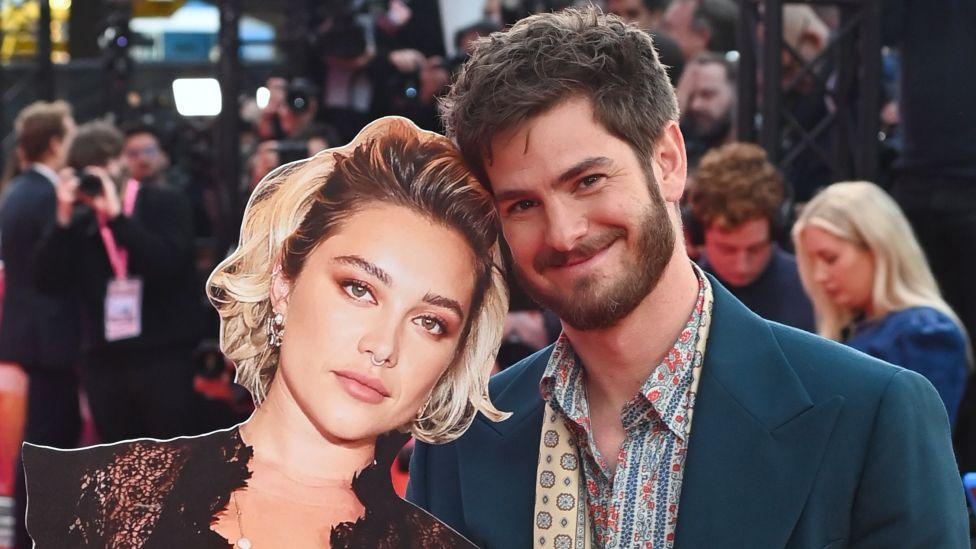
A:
[104, 306]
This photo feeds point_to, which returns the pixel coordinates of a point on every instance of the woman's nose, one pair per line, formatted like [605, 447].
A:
[381, 343]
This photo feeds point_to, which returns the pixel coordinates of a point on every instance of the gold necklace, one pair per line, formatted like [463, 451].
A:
[242, 542]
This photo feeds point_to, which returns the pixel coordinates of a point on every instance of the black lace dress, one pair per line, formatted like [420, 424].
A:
[166, 494]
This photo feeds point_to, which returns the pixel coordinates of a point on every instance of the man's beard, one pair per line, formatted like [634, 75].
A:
[593, 304]
[711, 131]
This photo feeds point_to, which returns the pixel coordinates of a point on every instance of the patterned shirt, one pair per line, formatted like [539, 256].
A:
[637, 505]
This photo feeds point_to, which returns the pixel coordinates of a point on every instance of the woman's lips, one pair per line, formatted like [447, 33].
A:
[362, 387]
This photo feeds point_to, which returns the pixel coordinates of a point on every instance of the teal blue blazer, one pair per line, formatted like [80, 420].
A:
[797, 442]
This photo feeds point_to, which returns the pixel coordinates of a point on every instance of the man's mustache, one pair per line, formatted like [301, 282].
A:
[550, 257]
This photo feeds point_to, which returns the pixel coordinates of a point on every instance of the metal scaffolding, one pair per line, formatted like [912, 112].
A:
[228, 123]
[852, 87]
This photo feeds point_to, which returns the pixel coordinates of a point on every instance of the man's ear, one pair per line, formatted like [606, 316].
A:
[54, 146]
[279, 291]
[670, 162]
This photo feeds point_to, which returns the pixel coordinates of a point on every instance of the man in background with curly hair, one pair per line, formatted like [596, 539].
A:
[738, 199]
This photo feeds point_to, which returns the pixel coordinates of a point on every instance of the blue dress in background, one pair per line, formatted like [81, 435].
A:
[921, 339]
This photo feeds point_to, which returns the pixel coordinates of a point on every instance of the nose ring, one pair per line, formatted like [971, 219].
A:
[372, 358]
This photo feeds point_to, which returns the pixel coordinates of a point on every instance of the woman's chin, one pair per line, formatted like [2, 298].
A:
[350, 430]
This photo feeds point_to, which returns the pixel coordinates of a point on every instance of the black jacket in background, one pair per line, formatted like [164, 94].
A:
[937, 42]
[159, 241]
[777, 294]
[36, 330]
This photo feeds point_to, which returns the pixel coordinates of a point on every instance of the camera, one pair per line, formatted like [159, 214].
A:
[89, 184]
[291, 150]
[300, 94]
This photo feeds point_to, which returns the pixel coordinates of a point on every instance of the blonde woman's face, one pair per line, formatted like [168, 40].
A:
[388, 287]
[844, 270]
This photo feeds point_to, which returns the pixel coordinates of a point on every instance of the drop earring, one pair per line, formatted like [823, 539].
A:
[276, 329]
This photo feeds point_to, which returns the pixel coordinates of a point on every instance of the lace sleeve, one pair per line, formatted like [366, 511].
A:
[105, 496]
[390, 522]
[401, 526]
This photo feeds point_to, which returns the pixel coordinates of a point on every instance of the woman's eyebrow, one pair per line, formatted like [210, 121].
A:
[370, 268]
[445, 302]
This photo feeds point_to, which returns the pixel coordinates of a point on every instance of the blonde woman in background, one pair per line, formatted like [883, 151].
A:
[365, 298]
[872, 288]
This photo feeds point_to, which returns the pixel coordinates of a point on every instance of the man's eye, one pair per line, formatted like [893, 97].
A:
[521, 206]
[590, 180]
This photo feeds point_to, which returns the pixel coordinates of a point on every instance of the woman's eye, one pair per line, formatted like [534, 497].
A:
[357, 290]
[431, 324]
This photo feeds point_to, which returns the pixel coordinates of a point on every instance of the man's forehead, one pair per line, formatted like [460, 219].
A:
[712, 73]
[564, 127]
[549, 143]
[757, 228]
[140, 138]
[522, 155]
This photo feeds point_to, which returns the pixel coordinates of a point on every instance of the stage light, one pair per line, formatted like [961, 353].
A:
[262, 97]
[197, 96]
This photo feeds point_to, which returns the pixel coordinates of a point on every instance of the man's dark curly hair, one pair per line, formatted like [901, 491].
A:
[548, 58]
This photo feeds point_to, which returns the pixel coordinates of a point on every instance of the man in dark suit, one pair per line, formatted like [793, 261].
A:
[667, 414]
[38, 332]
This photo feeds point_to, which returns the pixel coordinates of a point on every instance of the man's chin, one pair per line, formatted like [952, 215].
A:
[739, 282]
[585, 307]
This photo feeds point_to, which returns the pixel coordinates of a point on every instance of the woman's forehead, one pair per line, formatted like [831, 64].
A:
[406, 248]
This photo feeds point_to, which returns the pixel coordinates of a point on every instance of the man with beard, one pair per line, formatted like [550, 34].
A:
[666, 414]
[706, 97]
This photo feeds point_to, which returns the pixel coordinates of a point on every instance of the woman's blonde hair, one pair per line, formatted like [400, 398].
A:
[863, 214]
[299, 205]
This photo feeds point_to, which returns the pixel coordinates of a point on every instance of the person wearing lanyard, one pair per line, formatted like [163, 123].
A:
[127, 250]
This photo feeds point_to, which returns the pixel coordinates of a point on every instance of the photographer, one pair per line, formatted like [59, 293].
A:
[380, 57]
[125, 247]
[292, 106]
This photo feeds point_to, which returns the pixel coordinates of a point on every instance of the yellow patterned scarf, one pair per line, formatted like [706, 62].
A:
[561, 518]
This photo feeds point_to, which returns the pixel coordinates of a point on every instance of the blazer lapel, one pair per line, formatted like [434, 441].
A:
[756, 438]
[497, 463]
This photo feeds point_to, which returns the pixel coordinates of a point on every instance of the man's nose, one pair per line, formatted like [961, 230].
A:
[564, 227]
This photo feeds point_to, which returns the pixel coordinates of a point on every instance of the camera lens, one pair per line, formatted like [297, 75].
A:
[89, 184]
[301, 93]
[297, 101]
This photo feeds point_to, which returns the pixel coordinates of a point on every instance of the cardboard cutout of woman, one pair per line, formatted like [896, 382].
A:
[365, 301]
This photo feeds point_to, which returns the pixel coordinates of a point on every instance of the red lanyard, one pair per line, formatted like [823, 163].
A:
[117, 255]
